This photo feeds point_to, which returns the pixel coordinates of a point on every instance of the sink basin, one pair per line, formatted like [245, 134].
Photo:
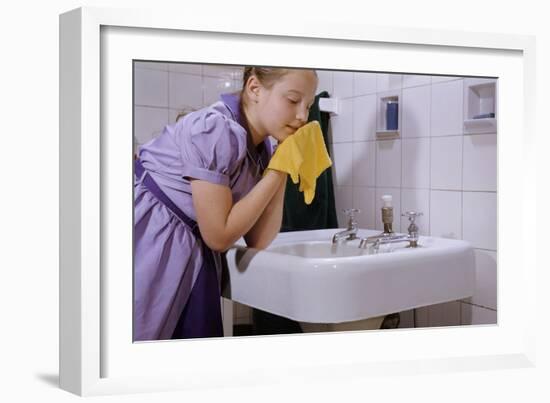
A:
[304, 277]
[319, 249]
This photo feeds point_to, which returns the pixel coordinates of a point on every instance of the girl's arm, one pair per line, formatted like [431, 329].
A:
[220, 221]
[269, 224]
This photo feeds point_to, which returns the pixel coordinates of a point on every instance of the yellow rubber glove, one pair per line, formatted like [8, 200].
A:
[304, 156]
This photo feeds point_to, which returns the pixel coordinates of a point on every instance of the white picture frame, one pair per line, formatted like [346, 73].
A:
[97, 357]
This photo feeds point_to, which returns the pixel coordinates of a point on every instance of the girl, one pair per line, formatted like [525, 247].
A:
[199, 188]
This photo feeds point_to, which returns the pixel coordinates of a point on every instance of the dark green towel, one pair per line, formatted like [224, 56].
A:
[321, 213]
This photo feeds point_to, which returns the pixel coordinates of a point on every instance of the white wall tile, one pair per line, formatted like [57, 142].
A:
[188, 68]
[396, 202]
[135, 145]
[342, 125]
[440, 79]
[213, 87]
[342, 164]
[485, 293]
[221, 71]
[185, 91]
[364, 163]
[343, 198]
[416, 163]
[325, 81]
[446, 314]
[446, 214]
[151, 66]
[172, 115]
[388, 163]
[446, 110]
[415, 108]
[474, 315]
[343, 84]
[238, 85]
[364, 83]
[411, 80]
[480, 162]
[150, 88]
[386, 82]
[480, 219]
[364, 118]
[446, 163]
[364, 200]
[419, 201]
[148, 122]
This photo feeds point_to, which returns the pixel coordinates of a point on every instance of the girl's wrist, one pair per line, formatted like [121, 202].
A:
[275, 173]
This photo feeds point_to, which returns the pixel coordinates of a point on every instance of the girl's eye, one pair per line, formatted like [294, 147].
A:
[292, 101]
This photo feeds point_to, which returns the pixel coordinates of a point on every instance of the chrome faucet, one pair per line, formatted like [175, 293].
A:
[385, 238]
[349, 233]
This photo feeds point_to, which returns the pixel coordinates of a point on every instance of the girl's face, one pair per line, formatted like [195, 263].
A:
[284, 107]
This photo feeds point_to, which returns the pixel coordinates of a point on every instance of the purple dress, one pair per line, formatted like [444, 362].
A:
[210, 144]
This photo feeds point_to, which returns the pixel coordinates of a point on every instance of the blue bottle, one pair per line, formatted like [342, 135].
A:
[391, 115]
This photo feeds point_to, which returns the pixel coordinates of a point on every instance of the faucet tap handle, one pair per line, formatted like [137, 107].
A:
[350, 212]
[412, 215]
[413, 228]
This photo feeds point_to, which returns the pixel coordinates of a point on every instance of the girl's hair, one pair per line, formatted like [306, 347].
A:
[266, 75]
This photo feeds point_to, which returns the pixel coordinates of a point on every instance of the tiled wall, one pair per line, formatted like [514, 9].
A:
[433, 167]
[162, 90]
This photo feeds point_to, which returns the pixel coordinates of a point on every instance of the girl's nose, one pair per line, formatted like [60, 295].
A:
[302, 115]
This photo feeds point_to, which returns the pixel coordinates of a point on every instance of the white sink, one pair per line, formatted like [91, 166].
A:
[303, 276]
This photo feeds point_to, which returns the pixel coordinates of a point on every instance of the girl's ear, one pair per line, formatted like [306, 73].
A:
[253, 88]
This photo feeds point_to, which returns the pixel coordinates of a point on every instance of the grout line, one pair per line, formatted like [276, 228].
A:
[151, 106]
[429, 214]
[446, 190]
[430, 162]
[353, 142]
[477, 305]
[462, 166]
[400, 127]
[202, 85]
[168, 91]
[480, 191]
[487, 250]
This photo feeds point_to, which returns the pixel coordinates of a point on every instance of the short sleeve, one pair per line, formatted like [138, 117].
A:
[213, 146]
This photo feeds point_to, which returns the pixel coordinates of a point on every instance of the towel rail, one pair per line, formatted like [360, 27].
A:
[331, 105]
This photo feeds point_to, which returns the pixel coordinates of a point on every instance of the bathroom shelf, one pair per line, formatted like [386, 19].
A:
[383, 99]
[480, 96]
[487, 125]
[387, 134]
